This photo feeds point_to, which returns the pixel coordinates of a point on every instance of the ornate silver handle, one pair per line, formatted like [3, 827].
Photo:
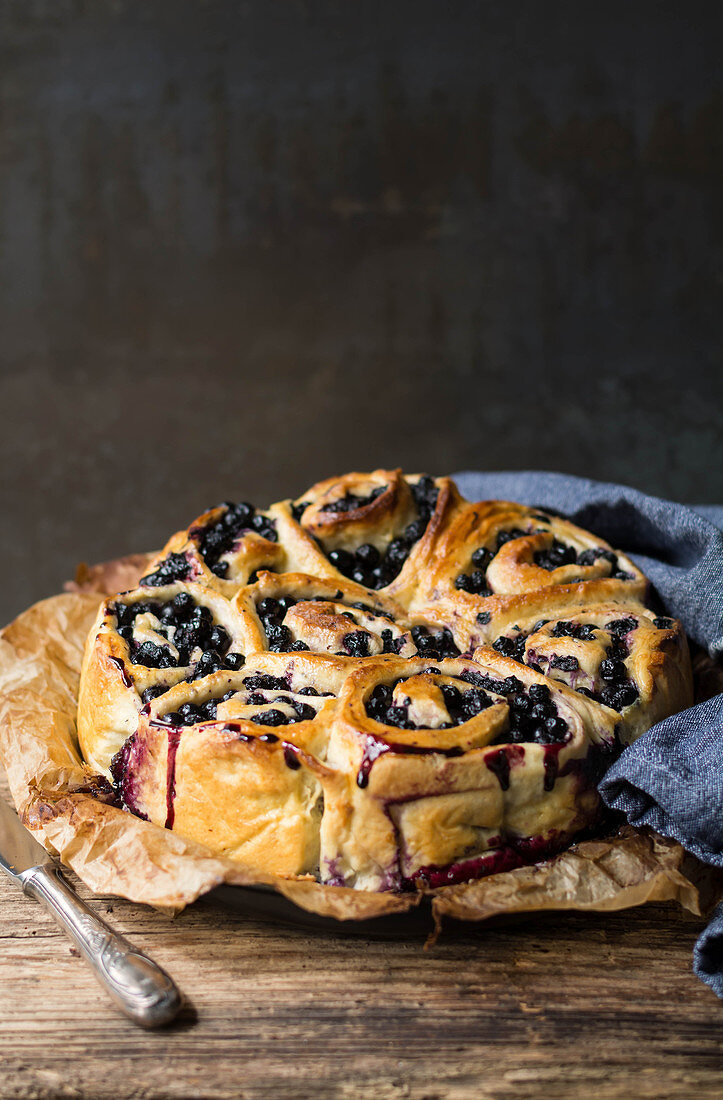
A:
[137, 985]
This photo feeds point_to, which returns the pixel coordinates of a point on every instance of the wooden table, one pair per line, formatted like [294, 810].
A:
[561, 1006]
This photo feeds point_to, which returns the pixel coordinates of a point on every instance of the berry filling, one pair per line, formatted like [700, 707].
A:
[461, 706]
[475, 581]
[351, 501]
[220, 537]
[435, 644]
[374, 569]
[280, 702]
[559, 553]
[175, 635]
[359, 642]
[589, 557]
[190, 713]
[174, 567]
[297, 510]
[617, 689]
[355, 643]
[533, 715]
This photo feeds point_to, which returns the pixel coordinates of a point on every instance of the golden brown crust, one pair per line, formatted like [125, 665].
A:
[368, 750]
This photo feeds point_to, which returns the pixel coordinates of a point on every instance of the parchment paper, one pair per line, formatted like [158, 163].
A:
[115, 853]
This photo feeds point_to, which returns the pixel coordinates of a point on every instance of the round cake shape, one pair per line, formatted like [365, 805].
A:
[378, 683]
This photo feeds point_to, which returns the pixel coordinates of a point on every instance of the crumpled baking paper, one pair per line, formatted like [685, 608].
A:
[59, 799]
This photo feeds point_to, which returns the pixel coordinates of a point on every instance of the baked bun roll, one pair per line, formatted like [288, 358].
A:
[378, 683]
[447, 771]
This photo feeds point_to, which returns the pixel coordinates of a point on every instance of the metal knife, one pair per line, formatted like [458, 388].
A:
[137, 985]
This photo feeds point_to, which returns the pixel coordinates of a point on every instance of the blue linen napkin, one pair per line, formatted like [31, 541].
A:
[672, 777]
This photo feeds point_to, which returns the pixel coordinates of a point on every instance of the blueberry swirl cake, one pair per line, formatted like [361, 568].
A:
[377, 684]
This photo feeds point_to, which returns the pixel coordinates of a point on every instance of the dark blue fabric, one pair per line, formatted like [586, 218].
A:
[672, 777]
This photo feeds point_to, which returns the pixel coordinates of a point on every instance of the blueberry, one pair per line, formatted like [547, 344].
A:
[271, 717]
[508, 647]
[342, 560]
[445, 644]
[627, 693]
[277, 634]
[621, 626]
[452, 696]
[557, 726]
[175, 567]
[356, 643]
[351, 501]
[482, 557]
[612, 669]
[483, 617]
[153, 656]
[304, 713]
[270, 609]
[208, 662]
[265, 682]
[415, 530]
[233, 661]
[189, 714]
[279, 638]
[566, 664]
[664, 623]
[219, 639]
[368, 555]
[218, 538]
[153, 692]
[200, 617]
[397, 552]
[619, 695]
[507, 536]
[556, 555]
[474, 702]
[390, 644]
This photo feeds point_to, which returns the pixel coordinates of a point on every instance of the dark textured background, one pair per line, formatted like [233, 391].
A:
[247, 245]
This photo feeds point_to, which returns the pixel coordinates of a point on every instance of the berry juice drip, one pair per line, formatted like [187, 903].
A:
[174, 738]
[551, 765]
[127, 681]
[375, 748]
[499, 765]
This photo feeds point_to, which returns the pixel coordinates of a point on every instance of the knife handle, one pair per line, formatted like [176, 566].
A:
[137, 985]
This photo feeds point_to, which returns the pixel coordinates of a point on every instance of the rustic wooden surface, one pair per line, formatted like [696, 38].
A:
[565, 1006]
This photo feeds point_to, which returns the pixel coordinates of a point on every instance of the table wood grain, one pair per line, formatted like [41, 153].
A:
[558, 1006]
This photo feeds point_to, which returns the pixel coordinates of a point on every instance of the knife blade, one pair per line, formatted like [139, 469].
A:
[137, 985]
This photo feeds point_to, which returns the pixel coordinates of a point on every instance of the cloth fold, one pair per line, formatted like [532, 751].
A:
[672, 777]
